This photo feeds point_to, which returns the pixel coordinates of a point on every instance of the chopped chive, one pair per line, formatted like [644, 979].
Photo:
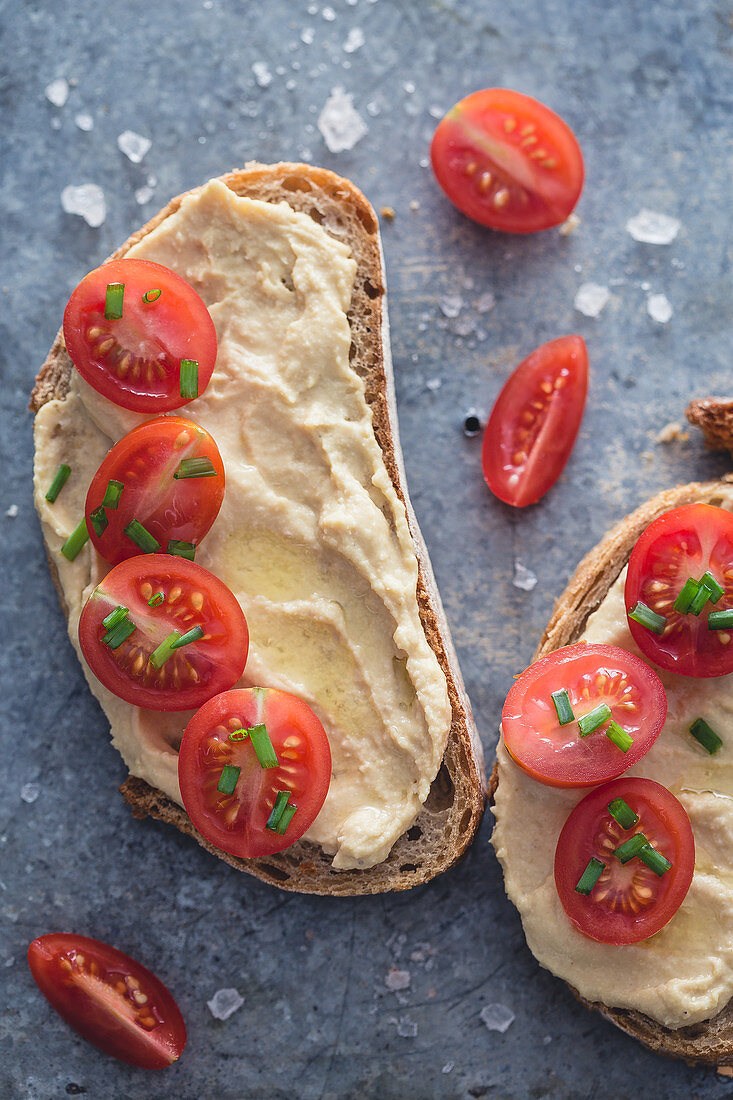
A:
[654, 859]
[285, 818]
[621, 811]
[716, 590]
[165, 650]
[700, 598]
[75, 541]
[195, 467]
[228, 779]
[239, 735]
[181, 549]
[619, 737]
[117, 616]
[277, 810]
[156, 599]
[142, 538]
[99, 521]
[189, 378]
[706, 735]
[720, 620]
[119, 633]
[112, 494]
[192, 635]
[689, 590]
[590, 876]
[644, 615]
[631, 847]
[151, 295]
[561, 699]
[62, 476]
[263, 746]
[595, 718]
[113, 301]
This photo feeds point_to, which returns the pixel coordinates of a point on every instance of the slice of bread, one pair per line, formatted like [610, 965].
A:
[452, 812]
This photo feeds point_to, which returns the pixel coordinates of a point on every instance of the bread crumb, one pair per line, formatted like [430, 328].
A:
[414, 205]
[725, 1071]
[387, 212]
[672, 433]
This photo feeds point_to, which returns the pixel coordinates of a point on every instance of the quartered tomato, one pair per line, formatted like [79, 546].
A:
[629, 901]
[228, 792]
[593, 676]
[110, 999]
[131, 623]
[688, 542]
[168, 475]
[135, 359]
[507, 161]
[535, 421]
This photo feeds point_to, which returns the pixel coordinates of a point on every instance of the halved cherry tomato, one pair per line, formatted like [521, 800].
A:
[686, 542]
[507, 161]
[191, 598]
[630, 901]
[135, 360]
[146, 462]
[109, 998]
[535, 421]
[237, 822]
[592, 674]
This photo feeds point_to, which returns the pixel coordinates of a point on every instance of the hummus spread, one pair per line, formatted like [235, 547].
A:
[311, 538]
[684, 973]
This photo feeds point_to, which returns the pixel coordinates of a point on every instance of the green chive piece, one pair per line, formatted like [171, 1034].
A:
[119, 634]
[706, 735]
[266, 754]
[99, 521]
[561, 699]
[156, 599]
[117, 616]
[590, 876]
[151, 295]
[189, 378]
[619, 737]
[192, 635]
[62, 476]
[720, 620]
[112, 494]
[621, 811]
[285, 818]
[142, 538]
[195, 467]
[277, 810]
[644, 615]
[165, 650]
[228, 779]
[239, 735]
[181, 549]
[689, 591]
[716, 590]
[700, 598]
[75, 541]
[654, 859]
[113, 301]
[631, 847]
[590, 722]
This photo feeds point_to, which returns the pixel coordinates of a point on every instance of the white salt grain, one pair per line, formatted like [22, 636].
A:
[133, 145]
[263, 76]
[84, 121]
[523, 578]
[340, 123]
[591, 298]
[434, 384]
[448, 1067]
[30, 792]
[436, 112]
[397, 979]
[224, 1003]
[307, 35]
[57, 92]
[86, 200]
[12, 511]
[497, 1017]
[328, 14]
[485, 302]
[451, 305]
[144, 194]
[659, 308]
[354, 40]
[406, 1028]
[651, 227]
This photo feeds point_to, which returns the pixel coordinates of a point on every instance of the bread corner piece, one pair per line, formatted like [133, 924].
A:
[452, 812]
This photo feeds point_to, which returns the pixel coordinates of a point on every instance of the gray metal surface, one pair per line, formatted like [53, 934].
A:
[647, 88]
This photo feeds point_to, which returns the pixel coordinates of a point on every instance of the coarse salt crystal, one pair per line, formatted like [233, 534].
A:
[451, 305]
[57, 92]
[84, 121]
[397, 979]
[591, 298]
[307, 35]
[659, 308]
[263, 76]
[434, 384]
[651, 227]
[30, 792]
[224, 1003]
[12, 511]
[409, 87]
[485, 302]
[354, 40]
[86, 200]
[328, 14]
[144, 194]
[436, 112]
[497, 1017]
[406, 1028]
[340, 123]
[523, 578]
[133, 145]
[448, 1067]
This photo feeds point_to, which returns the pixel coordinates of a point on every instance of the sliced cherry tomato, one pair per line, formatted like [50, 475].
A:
[535, 421]
[135, 360]
[110, 999]
[507, 161]
[213, 742]
[159, 464]
[592, 675]
[162, 594]
[684, 543]
[630, 901]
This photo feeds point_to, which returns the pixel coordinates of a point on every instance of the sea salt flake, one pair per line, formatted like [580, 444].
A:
[523, 578]
[86, 200]
[436, 112]
[57, 92]
[84, 121]
[224, 1003]
[340, 123]
[434, 384]
[12, 511]
[133, 145]
[397, 979]
[451, 305]
[497, 1017]
[591, 298]
[354, 40]
[659, 308]
[448, 1067]
[328, 14]
[651, 227]
[263, 76]
[30, 792]
[307, 35]
[409, 87]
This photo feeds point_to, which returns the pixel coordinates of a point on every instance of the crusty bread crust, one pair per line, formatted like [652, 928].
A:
[453, 810]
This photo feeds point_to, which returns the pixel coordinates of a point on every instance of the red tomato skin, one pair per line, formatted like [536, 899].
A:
[178, 325]
[483, 140]
[561, 365]
[154, 1049]
[593, 759]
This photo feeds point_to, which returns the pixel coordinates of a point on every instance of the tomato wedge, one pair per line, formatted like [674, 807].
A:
[535, 421]
[507, 161]
[228, 793]
[686, 543]
[168, 475]
[593, 675]
[155, 600]
[135, 359]
[629, 901]
[110, 999]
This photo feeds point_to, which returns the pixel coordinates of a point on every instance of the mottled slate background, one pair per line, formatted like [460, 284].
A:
[647, 88]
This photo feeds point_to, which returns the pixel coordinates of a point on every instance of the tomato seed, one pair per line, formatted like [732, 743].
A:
[510, 124]
[501, 198]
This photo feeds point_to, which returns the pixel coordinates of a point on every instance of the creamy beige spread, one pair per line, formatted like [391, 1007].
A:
[684, 973]
[311, 537]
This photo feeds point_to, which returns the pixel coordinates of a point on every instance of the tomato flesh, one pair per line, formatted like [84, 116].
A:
[145, 461]
[192, 597]
[535, 421]
[507, 161]
[629, 902]
[686, 542]
[236, 822]
[135, 360]
[592, 674]
[109, 998]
